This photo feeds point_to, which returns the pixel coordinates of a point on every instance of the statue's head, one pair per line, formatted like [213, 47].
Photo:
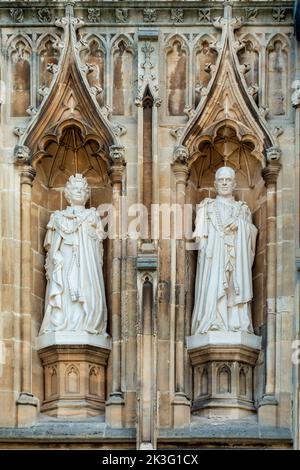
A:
[225, 181]
[76, 190]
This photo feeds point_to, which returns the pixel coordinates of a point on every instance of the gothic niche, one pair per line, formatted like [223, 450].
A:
[21, 77]
[93, 57]
[48, 56]
[176, 77]
[249, 57]
[205, 59]
[122, 79]
[277, 76]
[226, 147]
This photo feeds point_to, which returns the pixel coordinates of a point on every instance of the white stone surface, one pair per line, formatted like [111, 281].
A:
[226, 238]
[69, 338]
[224, 338]
[75, 295]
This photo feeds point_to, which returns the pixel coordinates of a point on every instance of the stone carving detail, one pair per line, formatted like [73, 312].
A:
[177, 15]
[223, 290]
[44, 15]
[279, 14]
[273, 154]
[150, 15]
[251, 14]
[204, 15]
[21, 77]
[17, 15]
[176, 77]
[22, 155]
[94, 15]
[181, 154]
[277, 77]
[122, 15]
[74, 250]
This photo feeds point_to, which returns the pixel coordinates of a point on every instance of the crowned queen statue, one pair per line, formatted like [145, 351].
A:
[226, 237]
[75, 296]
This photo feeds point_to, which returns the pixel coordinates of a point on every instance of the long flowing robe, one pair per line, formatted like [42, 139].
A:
[75, 295]
[223, 289]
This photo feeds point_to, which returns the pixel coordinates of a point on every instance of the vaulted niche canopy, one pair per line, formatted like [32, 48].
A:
[72, 152]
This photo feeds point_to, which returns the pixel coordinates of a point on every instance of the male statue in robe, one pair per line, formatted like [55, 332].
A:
[226, 237]
[75, 295]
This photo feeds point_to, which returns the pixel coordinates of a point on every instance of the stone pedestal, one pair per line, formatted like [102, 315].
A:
[223, 365]
[74, 373]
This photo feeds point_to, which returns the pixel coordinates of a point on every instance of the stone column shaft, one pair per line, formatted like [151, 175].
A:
[181, 403]
[27, 176]
[267, 410]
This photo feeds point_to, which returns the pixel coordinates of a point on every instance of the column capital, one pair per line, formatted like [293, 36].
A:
[27, 175]
[270, 172]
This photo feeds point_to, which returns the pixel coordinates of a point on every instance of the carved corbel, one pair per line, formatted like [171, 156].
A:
[271, 171]
[22, 158]
[22, 155]
[180, 163]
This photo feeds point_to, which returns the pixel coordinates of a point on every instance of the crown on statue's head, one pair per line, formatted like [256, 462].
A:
[77, 178]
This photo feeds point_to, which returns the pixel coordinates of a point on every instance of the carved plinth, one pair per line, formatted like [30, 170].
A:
[223, 365]
[74, 374]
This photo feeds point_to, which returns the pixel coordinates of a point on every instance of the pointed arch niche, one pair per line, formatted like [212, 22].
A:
[64, 139]
[226, 145]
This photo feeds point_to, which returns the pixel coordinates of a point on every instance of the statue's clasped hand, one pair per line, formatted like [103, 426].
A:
[231, 227]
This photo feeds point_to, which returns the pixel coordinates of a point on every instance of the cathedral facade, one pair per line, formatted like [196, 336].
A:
[147, 100]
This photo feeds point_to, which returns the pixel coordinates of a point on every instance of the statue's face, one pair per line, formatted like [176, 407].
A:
[225, 183]
[77, 193]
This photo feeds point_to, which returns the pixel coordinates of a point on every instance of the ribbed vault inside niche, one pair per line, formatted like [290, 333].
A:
[63, 155]
[226, 147]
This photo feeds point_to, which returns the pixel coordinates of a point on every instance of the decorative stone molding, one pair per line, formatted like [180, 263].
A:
[122, 15]
[204, 15]
[44, 15]
[177, 15]
[150, 15]
[17, 15]
[270, 173]
[223, 365]
[94, 15]
[75, 380]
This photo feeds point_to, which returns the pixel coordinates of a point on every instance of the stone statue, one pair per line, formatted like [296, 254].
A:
[75, 295]
[226, 238]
